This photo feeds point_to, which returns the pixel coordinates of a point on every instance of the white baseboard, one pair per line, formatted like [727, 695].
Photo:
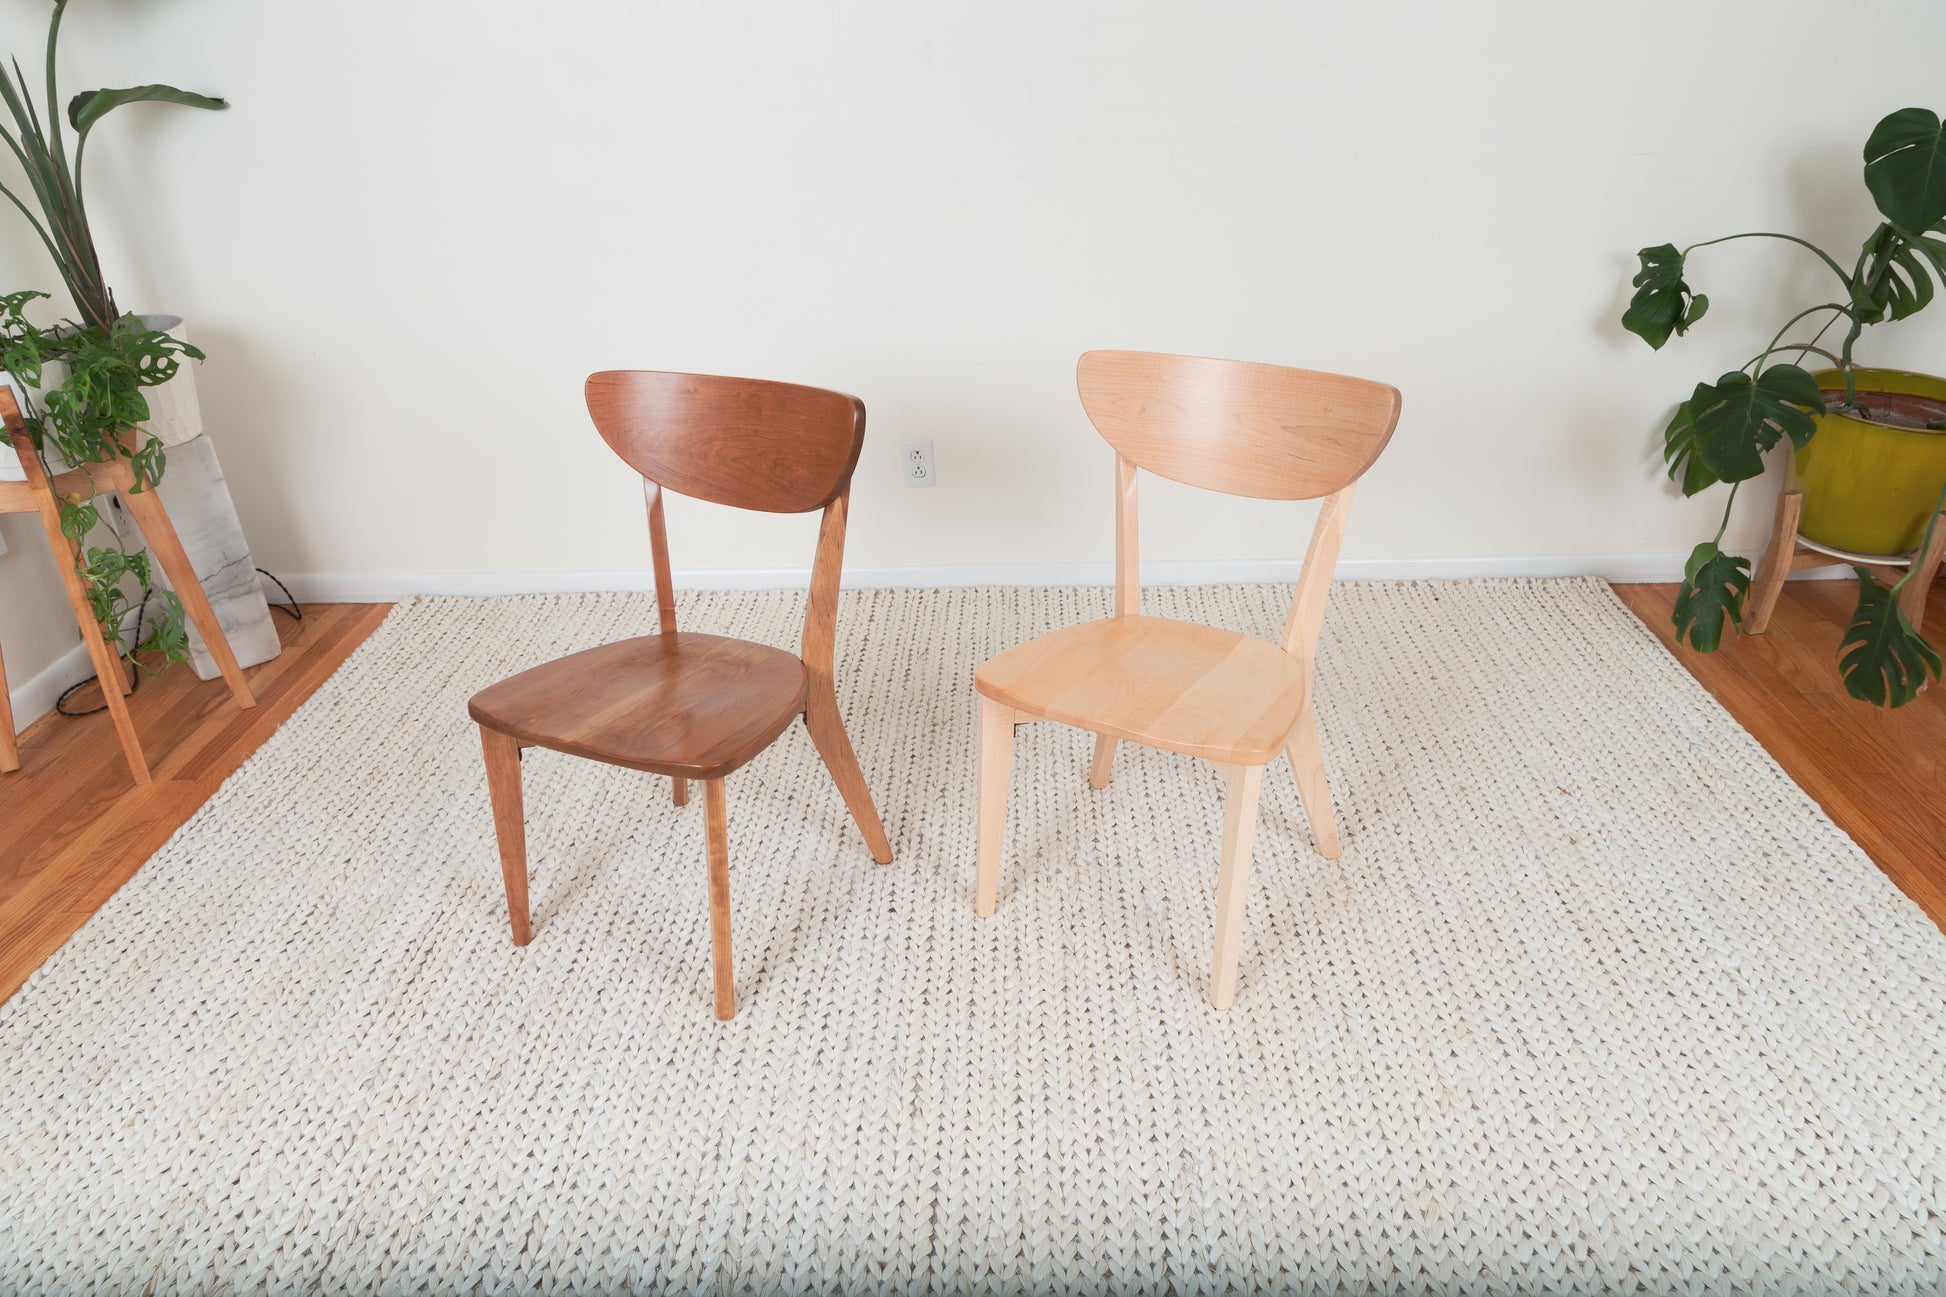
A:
[386, 587]
[37, 697]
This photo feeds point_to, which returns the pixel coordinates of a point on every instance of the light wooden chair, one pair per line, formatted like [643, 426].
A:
[681, 704]
[41, 495]
[1242, 429]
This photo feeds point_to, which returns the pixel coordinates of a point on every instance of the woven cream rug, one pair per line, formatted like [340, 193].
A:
[1595, 1001]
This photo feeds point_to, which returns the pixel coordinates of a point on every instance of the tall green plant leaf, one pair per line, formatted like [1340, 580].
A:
[1882, 659]
[1892, 281]
[1905, 168]
[1711, 597]
[90, 106]
[1662, 303]
[1686, 467]
[1736, 419]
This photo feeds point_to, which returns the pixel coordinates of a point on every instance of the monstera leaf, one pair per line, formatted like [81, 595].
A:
[1905, 168]
[1713, 586]
[1736, 419]
[1686, 467]
[1894, 281]
[1662, 303]
[90, 106]
[1882, 659]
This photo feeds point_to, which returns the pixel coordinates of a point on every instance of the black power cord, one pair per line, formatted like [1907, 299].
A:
[289, 608]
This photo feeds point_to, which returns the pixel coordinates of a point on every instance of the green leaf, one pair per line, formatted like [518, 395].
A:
[1905, 168]
[1686, 467]
[1713, 587]
[1662, 303]
[1735, 420]
[90, 106]
[1882, 659]
[1893, 281]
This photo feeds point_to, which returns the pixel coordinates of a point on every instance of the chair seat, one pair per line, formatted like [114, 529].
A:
[1168, 684]
[680, 704]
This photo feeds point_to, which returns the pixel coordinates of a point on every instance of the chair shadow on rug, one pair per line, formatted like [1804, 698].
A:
[678, 703]
[1262, 431]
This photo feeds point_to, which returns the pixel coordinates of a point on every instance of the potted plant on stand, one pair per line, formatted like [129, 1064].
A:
[1868, 446]
[108, 385]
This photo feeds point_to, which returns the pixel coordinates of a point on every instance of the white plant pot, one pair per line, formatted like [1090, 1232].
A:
[199, 504]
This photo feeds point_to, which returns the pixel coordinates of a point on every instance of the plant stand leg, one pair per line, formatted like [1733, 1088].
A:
[153, 518]
[9, 748]
[1776, 564]
[1925, 569]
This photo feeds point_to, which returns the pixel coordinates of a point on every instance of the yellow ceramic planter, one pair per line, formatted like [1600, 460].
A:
[1868, 488]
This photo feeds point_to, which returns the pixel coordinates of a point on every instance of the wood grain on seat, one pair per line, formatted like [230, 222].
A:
[681, 704]
[1178, 685]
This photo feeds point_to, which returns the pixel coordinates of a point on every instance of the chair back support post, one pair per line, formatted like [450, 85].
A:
[819, 648]
[1128, 574]
[1306, 616]
[665, 590]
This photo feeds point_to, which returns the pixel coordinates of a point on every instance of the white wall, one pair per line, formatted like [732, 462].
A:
[422, 224]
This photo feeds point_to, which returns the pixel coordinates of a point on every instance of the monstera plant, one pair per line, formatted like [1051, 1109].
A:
[89, 374]
[1723, 431]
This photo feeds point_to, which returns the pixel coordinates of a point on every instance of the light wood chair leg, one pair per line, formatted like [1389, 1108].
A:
[1233, 884]
[107, 662]
[9, 746]
[153, 518]
[679, 791]
[717, 817]
[1104, 766]
[1775, 565]
[1925, 570]
[509, 825]
[834, 745]
[996, 769]
[1307, 763]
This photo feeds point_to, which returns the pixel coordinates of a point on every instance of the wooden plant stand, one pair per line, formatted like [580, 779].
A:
[1788, 553]
[42, 495]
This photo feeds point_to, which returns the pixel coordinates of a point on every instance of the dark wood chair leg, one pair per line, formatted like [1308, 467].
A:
[1776, 563]
[509, 825]
[717, 816]
[679, 791]
[834, 745]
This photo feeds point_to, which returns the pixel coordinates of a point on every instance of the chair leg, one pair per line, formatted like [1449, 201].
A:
[153, 519]
[1239, 833]
[1775, 565]
[996, 768]
[679, 791]
[509, 825]
[1104, 766]
[9, 746]
[717, 817]
[1307, 763]
[834, 745]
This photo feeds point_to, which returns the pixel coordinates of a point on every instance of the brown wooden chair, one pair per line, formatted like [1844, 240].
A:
[40, 494]
[681, 704]
[1242, 429]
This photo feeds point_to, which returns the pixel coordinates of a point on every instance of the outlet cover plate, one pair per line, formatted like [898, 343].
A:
[915, 463]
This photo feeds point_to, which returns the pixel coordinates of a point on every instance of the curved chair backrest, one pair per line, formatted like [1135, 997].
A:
[745, 442]
[1239, 428]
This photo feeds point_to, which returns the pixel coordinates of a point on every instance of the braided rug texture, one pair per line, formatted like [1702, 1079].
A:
[1596, 1000]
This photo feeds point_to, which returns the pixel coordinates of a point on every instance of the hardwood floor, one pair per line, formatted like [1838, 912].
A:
[1881, 775]
[73, 829]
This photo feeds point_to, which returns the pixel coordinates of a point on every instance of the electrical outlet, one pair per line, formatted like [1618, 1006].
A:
[916, 462]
